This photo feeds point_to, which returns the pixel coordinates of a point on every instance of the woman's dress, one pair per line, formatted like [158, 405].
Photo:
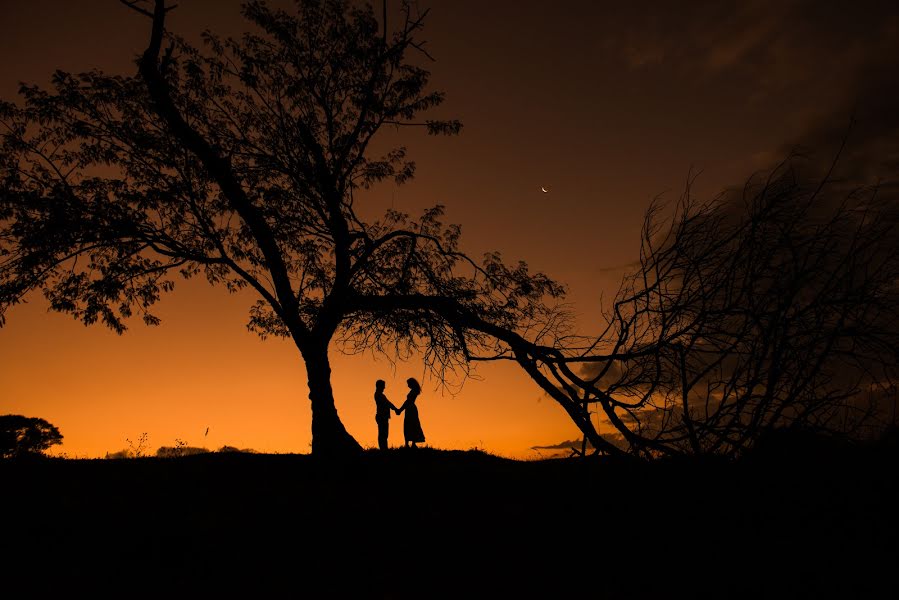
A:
[412, 424]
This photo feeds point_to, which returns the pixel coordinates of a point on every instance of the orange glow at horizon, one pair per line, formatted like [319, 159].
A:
[201, 368]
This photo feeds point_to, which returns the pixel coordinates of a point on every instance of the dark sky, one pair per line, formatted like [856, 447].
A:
[608, 104]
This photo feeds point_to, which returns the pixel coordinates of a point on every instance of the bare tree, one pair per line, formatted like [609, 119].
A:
[241, 164]
[774, 307]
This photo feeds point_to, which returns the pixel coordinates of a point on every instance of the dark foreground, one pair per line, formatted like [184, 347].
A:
[444, 524]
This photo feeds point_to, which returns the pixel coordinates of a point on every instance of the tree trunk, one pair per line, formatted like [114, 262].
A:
[330, 438]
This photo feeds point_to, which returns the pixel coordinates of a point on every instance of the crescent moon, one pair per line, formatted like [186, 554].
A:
[544, 190]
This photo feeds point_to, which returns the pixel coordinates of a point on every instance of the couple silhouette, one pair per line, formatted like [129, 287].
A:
[411, 425]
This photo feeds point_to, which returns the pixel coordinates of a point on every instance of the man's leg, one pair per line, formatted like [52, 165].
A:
[382, 436]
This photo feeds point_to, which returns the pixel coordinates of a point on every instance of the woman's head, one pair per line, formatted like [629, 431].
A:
[413, 383]
[380, 384]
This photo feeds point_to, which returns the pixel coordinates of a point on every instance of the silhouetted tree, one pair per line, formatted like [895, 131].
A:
[774, 308]
[22, 436]
[240, 164]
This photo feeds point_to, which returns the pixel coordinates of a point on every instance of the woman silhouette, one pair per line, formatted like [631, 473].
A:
[411, 424]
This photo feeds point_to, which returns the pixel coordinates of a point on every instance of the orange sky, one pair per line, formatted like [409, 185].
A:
[608, 106]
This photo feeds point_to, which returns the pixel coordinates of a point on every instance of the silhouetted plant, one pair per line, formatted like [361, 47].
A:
[139, 448]
[22, 436]
[241, 164]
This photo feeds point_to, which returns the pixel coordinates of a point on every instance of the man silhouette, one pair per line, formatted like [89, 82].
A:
[382, 413]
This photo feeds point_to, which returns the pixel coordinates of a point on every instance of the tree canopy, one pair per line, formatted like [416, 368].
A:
[22, 436]
[241, 163]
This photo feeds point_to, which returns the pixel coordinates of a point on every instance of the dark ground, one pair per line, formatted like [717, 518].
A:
[816, 521]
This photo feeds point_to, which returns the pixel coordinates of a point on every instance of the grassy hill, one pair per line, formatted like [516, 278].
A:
[425, 523]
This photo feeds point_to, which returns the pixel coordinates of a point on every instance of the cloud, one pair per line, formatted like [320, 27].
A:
[869, 122]
[613, 437]
[566, 445]
[774, 45]
[710, 35]
[625, 268]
